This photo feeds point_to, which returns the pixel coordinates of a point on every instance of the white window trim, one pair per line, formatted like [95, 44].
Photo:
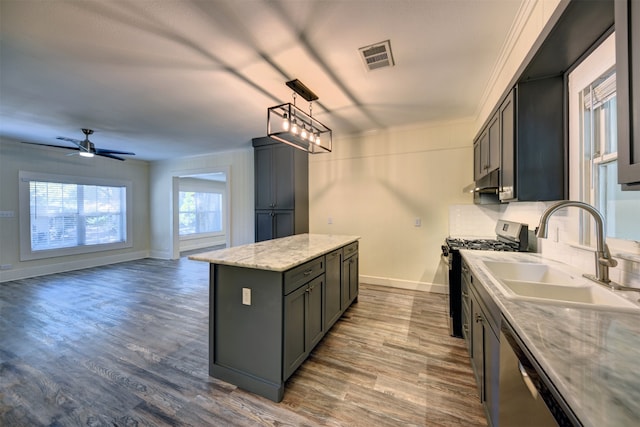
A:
[596, 64]
[26, 254]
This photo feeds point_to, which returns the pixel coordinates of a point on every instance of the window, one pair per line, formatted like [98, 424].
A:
[200, 212]
[70, 215]
[594, 149]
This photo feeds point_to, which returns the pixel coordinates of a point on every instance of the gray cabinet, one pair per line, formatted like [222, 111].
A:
[524, 141]
[303, 322]
[483, 342]
[486, 149]
[281, 190]
[350, 285]
[272, 224]
[333, 287]
[627, 21]
[263, 324]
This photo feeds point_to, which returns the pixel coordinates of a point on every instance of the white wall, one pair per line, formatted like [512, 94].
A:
[377, 185]
[238, 165]
[15, 157]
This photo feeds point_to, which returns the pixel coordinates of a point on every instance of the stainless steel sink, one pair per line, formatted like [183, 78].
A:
[545, 284]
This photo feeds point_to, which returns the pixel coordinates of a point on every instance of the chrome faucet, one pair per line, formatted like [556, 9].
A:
[603, 256]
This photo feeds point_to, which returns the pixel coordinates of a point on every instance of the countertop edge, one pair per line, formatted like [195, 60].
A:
[278, 254]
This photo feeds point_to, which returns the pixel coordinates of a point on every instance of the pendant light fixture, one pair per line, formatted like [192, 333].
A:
[289, 124]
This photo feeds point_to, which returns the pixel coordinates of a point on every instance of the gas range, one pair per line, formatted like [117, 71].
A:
[456, 243]
[510, 237]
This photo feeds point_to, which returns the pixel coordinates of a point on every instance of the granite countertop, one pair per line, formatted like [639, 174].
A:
[277, 254]
[592, 356]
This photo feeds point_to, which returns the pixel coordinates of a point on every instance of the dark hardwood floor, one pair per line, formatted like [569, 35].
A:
[126, 345]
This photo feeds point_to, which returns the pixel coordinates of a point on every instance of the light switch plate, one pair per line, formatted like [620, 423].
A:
[246, 296]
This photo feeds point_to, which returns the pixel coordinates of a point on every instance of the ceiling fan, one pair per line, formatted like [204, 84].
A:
[86, 148]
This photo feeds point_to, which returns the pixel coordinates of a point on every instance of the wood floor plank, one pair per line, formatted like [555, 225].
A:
[127, 345]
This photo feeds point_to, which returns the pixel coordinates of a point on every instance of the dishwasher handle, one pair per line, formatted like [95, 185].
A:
[527, 381]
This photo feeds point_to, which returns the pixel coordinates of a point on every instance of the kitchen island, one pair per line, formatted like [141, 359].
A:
[271, 302]
[590, 355]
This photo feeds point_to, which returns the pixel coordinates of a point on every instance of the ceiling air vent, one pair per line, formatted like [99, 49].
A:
[377, 55]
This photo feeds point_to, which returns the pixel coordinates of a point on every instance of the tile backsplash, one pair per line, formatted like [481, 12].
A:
[480, 221]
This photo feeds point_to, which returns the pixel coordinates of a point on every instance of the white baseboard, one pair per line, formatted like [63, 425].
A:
[405, 284]
[42, 270]
[160, 255]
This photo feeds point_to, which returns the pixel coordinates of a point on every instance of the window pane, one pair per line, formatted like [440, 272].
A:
[200, 212]
[67, 215]
[620, 208]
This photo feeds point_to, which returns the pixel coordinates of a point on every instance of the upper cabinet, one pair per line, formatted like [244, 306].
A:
[627, 18]
[533, 163]
[281, 189]
[487, 150]
[529, 123]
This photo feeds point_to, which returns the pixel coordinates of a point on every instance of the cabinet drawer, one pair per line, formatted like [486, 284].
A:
[350, 250]
[301, 274]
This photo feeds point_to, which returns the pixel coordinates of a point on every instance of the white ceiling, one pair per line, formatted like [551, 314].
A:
[169, 78]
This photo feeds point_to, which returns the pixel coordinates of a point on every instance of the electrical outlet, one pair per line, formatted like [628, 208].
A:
[329, 220]
[7, 214]
[246, 296]
[418, 222]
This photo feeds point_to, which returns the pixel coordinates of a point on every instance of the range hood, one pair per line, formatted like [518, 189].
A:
[485, 190]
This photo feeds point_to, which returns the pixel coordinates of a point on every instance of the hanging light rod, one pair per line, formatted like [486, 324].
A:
[299, 88]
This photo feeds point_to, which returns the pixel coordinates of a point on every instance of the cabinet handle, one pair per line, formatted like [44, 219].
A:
[465, 294]
[479, 318]
[308, 272]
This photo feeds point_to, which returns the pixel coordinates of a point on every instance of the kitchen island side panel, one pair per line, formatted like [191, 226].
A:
[246, 338]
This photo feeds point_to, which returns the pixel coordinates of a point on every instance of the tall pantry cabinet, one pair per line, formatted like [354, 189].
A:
[281, 189]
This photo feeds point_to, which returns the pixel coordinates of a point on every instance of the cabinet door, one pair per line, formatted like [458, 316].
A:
[283, 223]
[491, 374]
[353, 277]
[627, 19]
[477, 161]
[264, 225]
[507, 148]
[294, 330]
[264, 198]
[350, 280]
[333, 295]
[477, 344]
[314, 321]
[283, 177]
[493, 144]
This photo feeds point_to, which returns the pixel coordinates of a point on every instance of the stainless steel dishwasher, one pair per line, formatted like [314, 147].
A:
[527, 398]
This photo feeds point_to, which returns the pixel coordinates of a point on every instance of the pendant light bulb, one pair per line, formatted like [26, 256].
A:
[294, 128]
[317, 141]
[303, 134]
[285, 122]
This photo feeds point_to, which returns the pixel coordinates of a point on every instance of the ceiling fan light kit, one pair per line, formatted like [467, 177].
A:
[290, 125]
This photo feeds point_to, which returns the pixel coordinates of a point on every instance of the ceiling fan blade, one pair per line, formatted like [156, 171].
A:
[111, 156]
[51, 145]
[74, 141]
[107, 151]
